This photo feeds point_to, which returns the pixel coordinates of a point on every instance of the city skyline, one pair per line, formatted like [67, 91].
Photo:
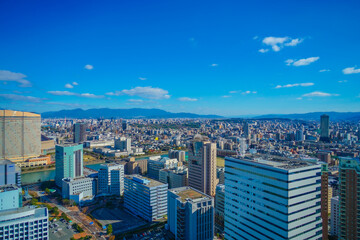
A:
[204, 57]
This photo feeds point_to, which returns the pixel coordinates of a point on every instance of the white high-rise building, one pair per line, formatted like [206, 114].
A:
[123, 144]
[111, 179]
[334, 217]
[271, 197]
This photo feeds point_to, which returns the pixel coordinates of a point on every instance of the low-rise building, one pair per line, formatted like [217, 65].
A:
[175, 178]
[24, 223]
[37, 161]
[10, 197]
[145, 197]
[190, 214]
[80, 190]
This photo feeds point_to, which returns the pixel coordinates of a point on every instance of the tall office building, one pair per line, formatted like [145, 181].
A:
[325, 200]
[178, 154]
[246, 130]
[111, 179]
[20, 136]
[145, 197]
[219, 208]
[349, 182]
[175, 178]
[24, 223]
[68, 162]
[10, 174]
[123, 144]
[125, 126]
[202, 165]
[324, 128]
[334, 217]
[190, 214]
[155, 165]
[79, 132]
[271, 197]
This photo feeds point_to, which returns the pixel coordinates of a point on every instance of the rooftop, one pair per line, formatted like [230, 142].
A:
[188, 193]
[11, 113]
[277, 161]
[150, 182]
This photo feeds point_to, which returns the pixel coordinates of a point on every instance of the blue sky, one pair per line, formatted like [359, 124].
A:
[209, 57]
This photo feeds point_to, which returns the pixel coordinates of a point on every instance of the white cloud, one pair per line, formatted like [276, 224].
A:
[214, 65]
[15, 97]
[89, 67]
[90, 95]
[262, 50]
[294, 42]
[135, 100]
[233, 92]
[342, 81]
[62, 93]
[295, 85]
[277, 43]
[324, 70]
[67, 93]
[142, 78]
[6, 75]
[351, 70]
[301, 62]
[249, 92]
[144, 92]
[68, 85]
[75, 83]
[226, 96]
[187, 99]
[319, 94]
[255, 37]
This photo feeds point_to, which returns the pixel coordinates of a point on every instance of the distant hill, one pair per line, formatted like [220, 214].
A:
[121, 113]
[334, 116]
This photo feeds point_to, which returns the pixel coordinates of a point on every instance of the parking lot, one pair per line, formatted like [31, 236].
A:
[61, 230]
[155, 234]
[120, 220]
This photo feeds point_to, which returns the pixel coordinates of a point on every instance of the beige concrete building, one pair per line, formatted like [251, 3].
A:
[202, 165]
[20, 135]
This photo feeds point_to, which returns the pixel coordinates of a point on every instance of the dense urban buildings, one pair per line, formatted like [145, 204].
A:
[145, 197]
[190, 214]
[271, 197]
[69, 162]
[111, 179]
[202, 165]
[20, 135]
[349, 207]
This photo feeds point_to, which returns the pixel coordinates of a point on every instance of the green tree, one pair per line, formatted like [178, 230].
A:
[34, 201]
[109, 229]
[47, 190]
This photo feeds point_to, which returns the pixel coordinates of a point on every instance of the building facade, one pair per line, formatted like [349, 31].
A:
[111, 179]
[202, 165]
[24, 223]
[79, 189]
[155, 165]
[123, 144]
[10, 197]
[190, 214]
[79, 132]
[219, 208]
[68, 162]
[145, 197]
[324, 128]
[10, 174]
[334, 217]
[349, 207]
[175, 178]
[20, 136]
[270, 197]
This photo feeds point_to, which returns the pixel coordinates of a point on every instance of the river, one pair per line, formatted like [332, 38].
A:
[34, 177]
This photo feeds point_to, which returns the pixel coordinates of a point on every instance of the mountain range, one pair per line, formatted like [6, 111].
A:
[121, 113]
[334, 116]
[158, 113]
